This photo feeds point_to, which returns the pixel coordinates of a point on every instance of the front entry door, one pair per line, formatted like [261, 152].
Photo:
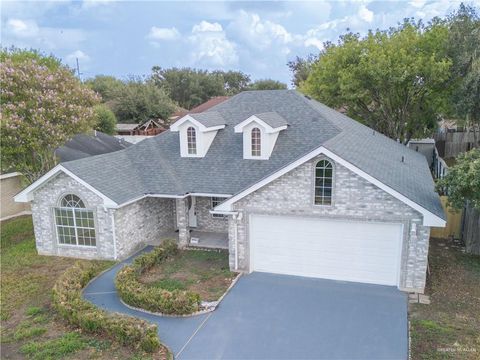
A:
[192, 214]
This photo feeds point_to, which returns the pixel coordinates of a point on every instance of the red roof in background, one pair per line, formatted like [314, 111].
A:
[202, 107]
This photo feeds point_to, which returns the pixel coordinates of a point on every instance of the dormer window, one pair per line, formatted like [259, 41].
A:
[192, 141]
[256, 141]
[197, 132]
[260, 133]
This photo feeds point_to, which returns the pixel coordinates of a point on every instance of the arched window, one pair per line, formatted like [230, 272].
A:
[323, 182]
[256, 142]
[75, 224]
[191, 140]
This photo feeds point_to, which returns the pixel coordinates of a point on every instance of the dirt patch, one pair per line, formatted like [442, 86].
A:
[204, 272]
[448, 328]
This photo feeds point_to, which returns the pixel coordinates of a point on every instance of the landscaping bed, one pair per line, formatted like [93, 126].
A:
[449, 327]
[30, 325]
[172, 281]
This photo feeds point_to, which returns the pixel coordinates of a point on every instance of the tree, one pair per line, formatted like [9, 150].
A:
[105, 120]
[140, 100]
[462, 182]
[233, 81]
[188, 87]
[463, 47]
[106, 86]
[394, 81]
[43, 105]
[267, 84]
[301, 67]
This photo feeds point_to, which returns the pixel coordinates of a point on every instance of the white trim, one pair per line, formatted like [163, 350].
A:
[167, 196]
[429, 219]
[223, 212]
[175, 126]
[26, 194]
[9, 175]
[239, 128]
[21, 213]
[210, 195]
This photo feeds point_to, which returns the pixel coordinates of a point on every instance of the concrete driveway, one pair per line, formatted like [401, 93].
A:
[267, 316]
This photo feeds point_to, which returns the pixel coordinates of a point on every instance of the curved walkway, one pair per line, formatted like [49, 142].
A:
[175, 332]
[268, 316]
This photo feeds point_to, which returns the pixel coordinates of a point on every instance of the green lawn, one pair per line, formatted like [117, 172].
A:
[448, 328]
[29, 327]
[204, 272]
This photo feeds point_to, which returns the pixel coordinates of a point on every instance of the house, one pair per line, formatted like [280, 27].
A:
[287, 184]
[125, 129]
[425, 147]
[84, 145]
[10, 184]
[200, 108]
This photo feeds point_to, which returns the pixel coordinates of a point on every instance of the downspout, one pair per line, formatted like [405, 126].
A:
[234, 217]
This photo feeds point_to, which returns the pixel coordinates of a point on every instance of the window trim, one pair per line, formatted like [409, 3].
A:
[192, 140]
[256, 130]
[212, 206]
[314, 185]
[75, 227]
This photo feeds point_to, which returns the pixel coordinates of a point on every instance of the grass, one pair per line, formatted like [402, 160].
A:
[204, 272]
[29, 326]
[448, 328]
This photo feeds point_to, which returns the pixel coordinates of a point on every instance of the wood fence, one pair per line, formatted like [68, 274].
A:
[471, 230]
[454, 223]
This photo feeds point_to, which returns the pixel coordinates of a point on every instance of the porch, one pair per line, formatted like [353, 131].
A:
[199, 239]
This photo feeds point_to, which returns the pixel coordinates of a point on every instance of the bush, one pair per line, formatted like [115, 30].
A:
[68, 301]
[105, 119]
[155, 299]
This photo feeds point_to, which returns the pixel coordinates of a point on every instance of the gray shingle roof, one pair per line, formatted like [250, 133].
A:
[272, 118]
[125, 175]
[209, 118]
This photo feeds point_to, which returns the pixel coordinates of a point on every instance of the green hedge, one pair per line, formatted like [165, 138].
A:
[68, 301]
[136, 294]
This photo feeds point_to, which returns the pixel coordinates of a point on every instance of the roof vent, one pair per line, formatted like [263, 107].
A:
[308, 97]
[403, 159]
[373, 133]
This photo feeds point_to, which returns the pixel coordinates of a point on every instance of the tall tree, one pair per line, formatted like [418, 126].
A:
[105, 120]
[233, 81]
[463, 47]
[300, 68]
[188, 87]
[394, 81]
[107, 87]
[43, 105]
[267, 84]
[140, 100]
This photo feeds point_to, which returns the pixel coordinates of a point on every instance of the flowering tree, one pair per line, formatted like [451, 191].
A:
[43, 105]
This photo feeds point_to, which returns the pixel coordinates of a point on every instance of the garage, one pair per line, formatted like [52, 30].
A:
[367, 252]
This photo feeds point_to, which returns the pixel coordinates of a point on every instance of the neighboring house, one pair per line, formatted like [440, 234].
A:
[148, 128]
[85, 145]
[10, 185]
[426, 147]
[287, 184]
[200, 108]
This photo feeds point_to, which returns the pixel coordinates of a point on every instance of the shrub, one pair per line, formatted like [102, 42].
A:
[68, 301]
[155, 299]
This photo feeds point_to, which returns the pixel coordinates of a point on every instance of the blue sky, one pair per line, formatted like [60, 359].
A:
[258, 38]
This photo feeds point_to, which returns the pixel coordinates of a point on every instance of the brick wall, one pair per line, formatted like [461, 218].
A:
[47, 197]
[205, 220]
[354, 198]
[144, 221]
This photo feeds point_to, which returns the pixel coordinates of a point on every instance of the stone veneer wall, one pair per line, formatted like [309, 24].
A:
[47, 197]
[205, 220]
[354, 198]
[142, 222]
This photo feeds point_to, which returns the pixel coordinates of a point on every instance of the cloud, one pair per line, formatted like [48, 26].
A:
[258, 33]
[27, 33]
[157, 33]
[88, 4]
[77, 54]
[206, 26]
[365, 14]
[210, 46]
[22, 28]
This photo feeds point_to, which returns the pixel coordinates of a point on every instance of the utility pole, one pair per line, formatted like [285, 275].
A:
[78, 68]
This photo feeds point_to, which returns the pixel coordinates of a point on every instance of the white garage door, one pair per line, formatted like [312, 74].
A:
[340, 250]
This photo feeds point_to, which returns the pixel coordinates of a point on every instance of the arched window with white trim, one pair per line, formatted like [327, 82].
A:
[75, 224]
[191, 141]
[323, 182]
[256, 140]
